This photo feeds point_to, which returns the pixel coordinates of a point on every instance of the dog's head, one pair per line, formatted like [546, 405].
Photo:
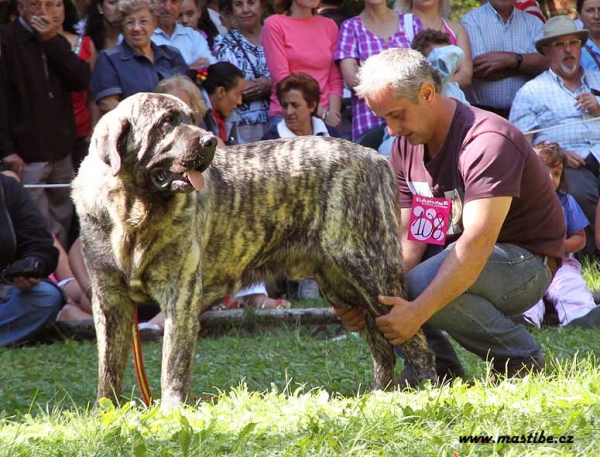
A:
[152, 139]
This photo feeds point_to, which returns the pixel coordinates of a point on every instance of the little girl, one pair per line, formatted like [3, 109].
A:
[568, 292]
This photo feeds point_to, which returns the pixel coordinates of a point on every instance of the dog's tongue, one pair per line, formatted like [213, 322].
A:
[196, 179]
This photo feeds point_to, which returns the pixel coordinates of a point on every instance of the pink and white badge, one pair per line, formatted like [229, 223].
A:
[429, 219]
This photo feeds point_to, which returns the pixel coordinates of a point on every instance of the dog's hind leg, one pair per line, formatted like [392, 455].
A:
[340, 292]
[113, 319]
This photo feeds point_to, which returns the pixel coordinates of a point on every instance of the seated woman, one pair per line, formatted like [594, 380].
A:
[137, 64]
[222, 89]
[299, 95]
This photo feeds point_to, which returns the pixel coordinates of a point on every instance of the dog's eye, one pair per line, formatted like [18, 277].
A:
[161, 176]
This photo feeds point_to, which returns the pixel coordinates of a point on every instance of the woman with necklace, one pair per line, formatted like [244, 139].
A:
[374, 30]
[433, 14]
[242, 48]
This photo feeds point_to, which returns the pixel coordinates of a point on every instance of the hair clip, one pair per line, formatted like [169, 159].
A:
[201, 74]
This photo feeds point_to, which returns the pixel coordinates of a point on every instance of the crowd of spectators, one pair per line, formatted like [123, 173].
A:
[280, 76]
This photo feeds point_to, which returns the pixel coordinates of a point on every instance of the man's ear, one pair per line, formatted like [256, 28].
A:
[427, 92]
[110, 140]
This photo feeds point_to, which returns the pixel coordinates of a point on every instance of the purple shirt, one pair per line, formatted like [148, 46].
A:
[485, 156]
[356, 41]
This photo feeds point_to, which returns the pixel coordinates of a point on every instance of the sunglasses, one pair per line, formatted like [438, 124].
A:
[563, 44]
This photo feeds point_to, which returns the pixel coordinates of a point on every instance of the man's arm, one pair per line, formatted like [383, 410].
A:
[493, 66]
[482, 221]
[75, 73]
[33, 236]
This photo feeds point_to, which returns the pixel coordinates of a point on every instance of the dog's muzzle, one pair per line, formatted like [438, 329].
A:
[187, 176]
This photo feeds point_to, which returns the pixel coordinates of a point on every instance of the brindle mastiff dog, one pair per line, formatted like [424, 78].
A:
[166, 218]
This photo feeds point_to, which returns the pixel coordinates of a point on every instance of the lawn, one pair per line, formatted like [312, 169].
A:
[286, 392]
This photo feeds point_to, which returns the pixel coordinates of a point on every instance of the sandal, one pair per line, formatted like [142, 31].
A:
[269, 303]
[229, 302]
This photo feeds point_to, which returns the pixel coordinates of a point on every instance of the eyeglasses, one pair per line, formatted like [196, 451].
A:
[131, 23]
[563, 44]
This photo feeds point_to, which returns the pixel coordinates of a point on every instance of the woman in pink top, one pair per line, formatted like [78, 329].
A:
[374, 30]
[301, 41]
[433, 15]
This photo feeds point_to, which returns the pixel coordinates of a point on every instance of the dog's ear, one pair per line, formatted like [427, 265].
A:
[110, 140]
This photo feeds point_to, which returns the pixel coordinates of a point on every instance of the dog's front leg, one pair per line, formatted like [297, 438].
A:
[113, 319]
[179, 345]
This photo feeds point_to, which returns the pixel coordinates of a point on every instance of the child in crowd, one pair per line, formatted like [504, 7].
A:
[568, 292]
[445, 58]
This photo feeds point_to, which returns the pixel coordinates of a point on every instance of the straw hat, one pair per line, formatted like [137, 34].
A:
[557, 27]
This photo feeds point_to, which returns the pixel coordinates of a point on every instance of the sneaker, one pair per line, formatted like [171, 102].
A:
[517, 367]
[587, 321]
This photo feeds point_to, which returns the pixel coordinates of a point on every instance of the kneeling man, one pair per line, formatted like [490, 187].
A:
[482, 228]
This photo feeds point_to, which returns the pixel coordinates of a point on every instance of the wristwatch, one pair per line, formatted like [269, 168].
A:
[519, 60]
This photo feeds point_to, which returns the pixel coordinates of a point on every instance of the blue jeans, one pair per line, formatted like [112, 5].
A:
[512, 281]
[25, 312]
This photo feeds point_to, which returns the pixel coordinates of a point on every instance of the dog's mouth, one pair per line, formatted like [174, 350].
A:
[186, 175]
[186, 181]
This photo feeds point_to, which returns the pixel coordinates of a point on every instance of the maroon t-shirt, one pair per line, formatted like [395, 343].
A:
[486, 156]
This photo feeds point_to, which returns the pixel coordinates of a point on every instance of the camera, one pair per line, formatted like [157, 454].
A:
[28, 268]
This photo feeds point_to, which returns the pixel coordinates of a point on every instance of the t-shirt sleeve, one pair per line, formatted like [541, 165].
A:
[491, 166]
[347, 42]
[574, 216]
[405, 195]
[105, 78]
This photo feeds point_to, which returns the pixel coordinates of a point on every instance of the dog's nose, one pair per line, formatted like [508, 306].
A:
[208, 142]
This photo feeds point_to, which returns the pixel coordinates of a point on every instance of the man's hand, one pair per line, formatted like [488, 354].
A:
[587, 102]
[333, 119]
[353, 318]
[199, 63]
[23, 283]
[493, 66]
[574, 160]
[402, 322]
[257, 89]
[44, 26]
[15, 163]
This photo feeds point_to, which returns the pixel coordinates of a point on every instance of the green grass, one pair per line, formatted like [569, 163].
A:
[287, 393]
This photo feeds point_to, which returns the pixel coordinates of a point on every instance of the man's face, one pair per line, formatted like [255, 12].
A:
[41, 8]
[402, 116]
[564, 55]
[169, 13]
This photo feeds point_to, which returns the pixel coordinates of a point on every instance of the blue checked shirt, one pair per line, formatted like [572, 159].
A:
[546, 102]
[488, 33]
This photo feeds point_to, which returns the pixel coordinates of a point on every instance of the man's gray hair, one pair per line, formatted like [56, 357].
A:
[401, 69]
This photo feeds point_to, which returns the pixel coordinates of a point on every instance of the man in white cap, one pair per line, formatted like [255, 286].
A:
[564, 95]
